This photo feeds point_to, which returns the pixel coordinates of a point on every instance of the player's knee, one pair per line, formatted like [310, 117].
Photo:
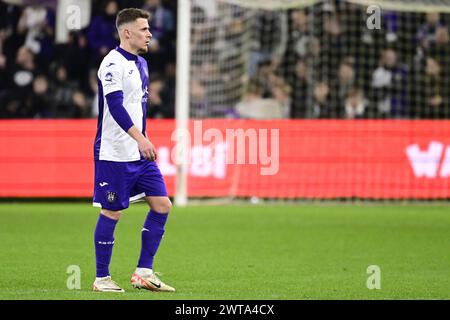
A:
[115, 215]
[163, 206]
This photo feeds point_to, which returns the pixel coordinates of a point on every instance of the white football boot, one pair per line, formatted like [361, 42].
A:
[106, 284]
[147, 279]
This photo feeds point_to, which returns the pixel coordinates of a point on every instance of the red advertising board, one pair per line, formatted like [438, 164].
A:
[327, 159]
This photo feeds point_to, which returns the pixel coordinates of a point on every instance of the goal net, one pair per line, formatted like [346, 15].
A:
[320, 64]
[298, 51]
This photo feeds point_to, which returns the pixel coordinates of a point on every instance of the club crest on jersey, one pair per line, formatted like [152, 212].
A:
[108, 76]
[111, 196]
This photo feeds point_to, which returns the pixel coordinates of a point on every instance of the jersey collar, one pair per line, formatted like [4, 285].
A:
[126, 54]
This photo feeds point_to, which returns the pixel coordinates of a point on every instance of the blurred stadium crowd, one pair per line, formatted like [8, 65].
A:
[325, 62]
[42, 79]
[318, 62]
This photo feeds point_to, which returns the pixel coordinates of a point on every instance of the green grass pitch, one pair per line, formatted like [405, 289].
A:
[235, 252]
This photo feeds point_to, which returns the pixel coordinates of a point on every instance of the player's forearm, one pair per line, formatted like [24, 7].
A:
[146, 148]
[136, 134]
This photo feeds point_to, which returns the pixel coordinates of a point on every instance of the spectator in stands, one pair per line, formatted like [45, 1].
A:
[37, 23]
[155, 103]
[162, 27]
[168, 92]
[217, 89]
[12, 108]
[341, 86]
[162, 23]
[300, 84]
[440, 49]
[162, 94]
[10, 41]
[264, 77]
[432, 92]
[281, 93]
[102, 34]
[299, 34]
[426, 36]
[9, 15]
[93, 92]
[198, 99]
[79, 106]
[230, 46]
[355, 104]
[333, 45]
[38, 102]
[391, 20]
[22, 73]
[390, 85]
[271, 39]
[314, 54]
[321, 107]
[427, 32]
[74, 55]
[63, 89]
[273, 86]
[255, 106]
[202, 37]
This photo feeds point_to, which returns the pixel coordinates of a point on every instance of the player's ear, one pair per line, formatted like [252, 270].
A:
[127, 33]
[124, 32]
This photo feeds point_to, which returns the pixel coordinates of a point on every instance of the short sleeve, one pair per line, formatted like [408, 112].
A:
[111, 77]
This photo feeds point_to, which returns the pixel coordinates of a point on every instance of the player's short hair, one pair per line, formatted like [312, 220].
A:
[130, 15]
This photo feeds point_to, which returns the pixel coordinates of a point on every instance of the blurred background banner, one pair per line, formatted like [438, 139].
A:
[318, 159]
[359, 90]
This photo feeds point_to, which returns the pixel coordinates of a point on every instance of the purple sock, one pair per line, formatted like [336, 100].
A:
[104, 242]
[152, 233]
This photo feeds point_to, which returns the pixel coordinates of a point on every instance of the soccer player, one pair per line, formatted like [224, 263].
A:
[125, 167]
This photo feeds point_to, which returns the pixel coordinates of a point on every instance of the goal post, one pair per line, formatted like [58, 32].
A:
[182, 97]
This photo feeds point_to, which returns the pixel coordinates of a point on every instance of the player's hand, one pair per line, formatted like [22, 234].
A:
[147, 149]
